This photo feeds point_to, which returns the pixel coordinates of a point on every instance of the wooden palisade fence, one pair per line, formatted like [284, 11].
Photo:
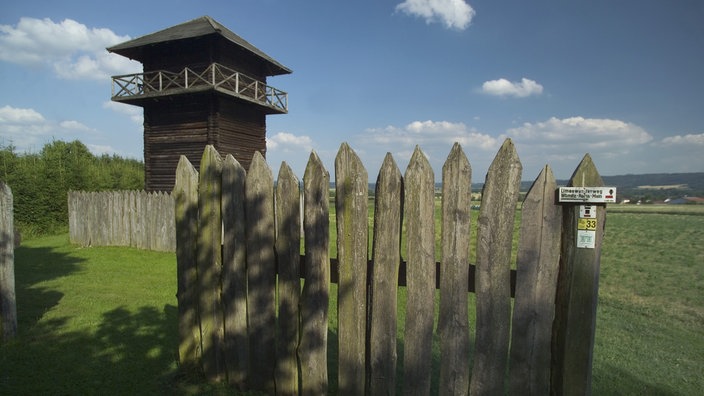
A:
[239, 322]
[122, 218]
[8, 304]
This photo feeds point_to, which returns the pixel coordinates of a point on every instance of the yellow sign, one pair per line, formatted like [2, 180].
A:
[586, 224]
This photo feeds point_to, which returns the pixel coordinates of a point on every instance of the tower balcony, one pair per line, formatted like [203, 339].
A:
[136, 88]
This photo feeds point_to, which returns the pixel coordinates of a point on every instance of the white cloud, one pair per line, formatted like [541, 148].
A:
[12, 115]
[135, 113]
[582, 133]
[504, 87]
[454, 14]
[23, 128]
[70, 48]
[75, 126]
[288, 142]
[98, 149]
[427, 133]
[561, 143]
[690, 139]
[28, 130]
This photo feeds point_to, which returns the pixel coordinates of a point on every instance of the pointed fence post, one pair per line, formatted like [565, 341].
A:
[261, 273]
[186, 212]
[8, 304]
[453, 322]
[312, 350]
[577, 292]
[210, 263]
[493, 272]
[234, 272]
[537, 265]
[419, 206]
[386, 256]
[351, 209]
[288, 255]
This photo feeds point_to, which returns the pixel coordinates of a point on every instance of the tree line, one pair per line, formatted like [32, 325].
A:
[40, 181]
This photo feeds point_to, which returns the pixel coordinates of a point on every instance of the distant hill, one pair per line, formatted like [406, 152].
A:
[693, 181]
[658, 186]
[655, 186]
[652, 186]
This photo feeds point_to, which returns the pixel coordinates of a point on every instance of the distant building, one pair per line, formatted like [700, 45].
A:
[685, 200]
[201, 84]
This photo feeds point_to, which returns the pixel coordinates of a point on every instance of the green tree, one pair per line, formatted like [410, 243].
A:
[40, 182]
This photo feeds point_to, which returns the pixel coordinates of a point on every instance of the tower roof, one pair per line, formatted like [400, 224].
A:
[198, 27]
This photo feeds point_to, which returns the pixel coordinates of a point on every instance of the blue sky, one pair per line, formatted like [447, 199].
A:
[621, 80]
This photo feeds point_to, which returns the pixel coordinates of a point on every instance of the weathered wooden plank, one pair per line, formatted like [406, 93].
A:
[136, 225]
[386, 256]
[315, 295]
[149, 221]
[186, 213]
[494, 242]
[78, 225]
[453, 322]
[577, 293]
[101, 208]
[261, 273]
[419, 206]
[537, 265]
[130, 213]
[288, 253]
[210, 263]
[168, 224]
[8, 302]
[73, 219]
[117, 214]
[122, 218]
[234, 275]
[351, 201]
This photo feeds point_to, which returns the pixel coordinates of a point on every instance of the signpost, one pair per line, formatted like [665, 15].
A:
[587, 194]
[584, 213]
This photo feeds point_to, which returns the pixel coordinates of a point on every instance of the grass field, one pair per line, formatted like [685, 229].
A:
[103, 320]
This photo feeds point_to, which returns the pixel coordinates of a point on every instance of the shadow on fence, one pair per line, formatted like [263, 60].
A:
[230, 293]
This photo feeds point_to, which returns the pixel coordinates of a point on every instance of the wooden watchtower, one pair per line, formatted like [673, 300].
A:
[201, 84]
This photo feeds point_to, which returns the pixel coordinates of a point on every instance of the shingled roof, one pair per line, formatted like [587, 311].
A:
[198, 27]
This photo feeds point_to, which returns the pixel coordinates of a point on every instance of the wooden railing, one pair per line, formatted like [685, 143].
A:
[216, 76]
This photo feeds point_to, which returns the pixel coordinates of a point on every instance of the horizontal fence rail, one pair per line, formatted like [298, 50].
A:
[253, 311]
[215, 76]
[122, 218]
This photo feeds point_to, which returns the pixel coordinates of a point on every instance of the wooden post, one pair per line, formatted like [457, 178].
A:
[288, 255]
[419, 206]
[261, 273]
[351, 204]
[577, 293]
[210, 263]
[537, 265]
[386, 256]
[312, 350]
[494, 239]
[8, 304]
[234, 272]
[186, 212]
[453, 323]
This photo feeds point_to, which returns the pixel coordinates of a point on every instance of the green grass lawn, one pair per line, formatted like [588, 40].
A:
[94, 320]
[650, 317]
[103, 320]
